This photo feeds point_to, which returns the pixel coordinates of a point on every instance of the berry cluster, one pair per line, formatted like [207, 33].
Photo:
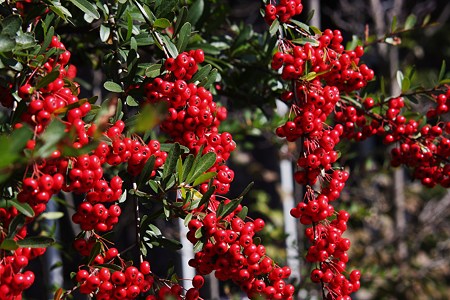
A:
[193, 117]
[230, 251]
[319, 75]
[284, 11]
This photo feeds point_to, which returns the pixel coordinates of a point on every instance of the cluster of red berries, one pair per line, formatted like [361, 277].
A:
[13, 279]
[193, 117]
[318, 76]
[284, 11]
[96, 279]
[230, 251]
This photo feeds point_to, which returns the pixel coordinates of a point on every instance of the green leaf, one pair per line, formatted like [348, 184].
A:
[36, 242]
[302, 25]
[47, 40]
[394, 24]
[9, 244]
[204, 163]
[201, 74]
[182, 15]
[406, 83]
[94, 252]
[171, 161]
[52, 215]
[24, 41]
[246, 190]
[198, 233]
[51, 137]
[210, 79]
[207, 195]
[47, 79]
[274, 27]
[410, 22]
[19, 138]
[161, 23]
[131, 101]
[11, 25]
[112, 87]
[243, 213]
[171, 48]
[23, 208]
[153, 70]
[198, 246]
[87, 7]
[16, 224]
[6, 43]
[195, 12]
[304, 40]
[166, 8]
[184, 36]
[105, 32]
[442, 71]
[228, 208]
[146, 171]
[61, 11]
[204, 177]
[187, 166]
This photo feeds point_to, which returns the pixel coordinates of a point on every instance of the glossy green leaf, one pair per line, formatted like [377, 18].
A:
[171, 161]
[146, 172]
[203, 164]
[153, 70]
[10, 25]
[204, 177]
[23, 208]
[54, 133]
[274, 27]
[201, 74]
[87, 7]
[207, 195]
[9, 244]
[187, 166]
[227, 209]
[210, 79]
[161, 23]
[47, 79]
[181, 19]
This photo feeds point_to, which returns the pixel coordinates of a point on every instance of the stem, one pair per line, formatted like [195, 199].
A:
[138, 223]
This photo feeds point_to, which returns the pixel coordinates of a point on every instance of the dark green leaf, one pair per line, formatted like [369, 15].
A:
[187, 166]
[184, 36]
[195, 12]
[87, 7]
[201, 74]
[204, 163]
[47, 40]
[228, 208]
[246, 190]
[94, 252]
[210, 79]
[11, 25]
[112, 87]
[36, 242]
[9, 244]
[243, 213]
[49, 78]
[146, 171]
[16, 224]
[19, 138]
[166, 8]
[171, 161]
[182, 15]
[207, 195]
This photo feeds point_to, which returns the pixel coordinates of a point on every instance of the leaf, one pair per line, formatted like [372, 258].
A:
[195, 12]
[9, 244]
[442, 71]
[247, 189]
[204, 163]
[87, 7]
[204, 177]
[274, 27]
[61, 11]
[94, 252]
[19, 138]
[171, 48]
[36, 242]
[47, 40]
[210, 79]
[146, 171]
[228, 208]
[51, 137]
[182, 15]
[171, 161]
[198, 233]
[394, 24]
[198, 246]
[105, 32]
[243, 213]
[6, 43]
[207, 196]
[201, 73]
[304, 40]
[161, 23]
[187, 166]
[410, 22]
[112, 87]
[23, 208]
[406, 83]
[16, 224]
[184, 36]
[11, 25]
[153, 70]
[131, 101]
[52, 215]
[47, 79]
